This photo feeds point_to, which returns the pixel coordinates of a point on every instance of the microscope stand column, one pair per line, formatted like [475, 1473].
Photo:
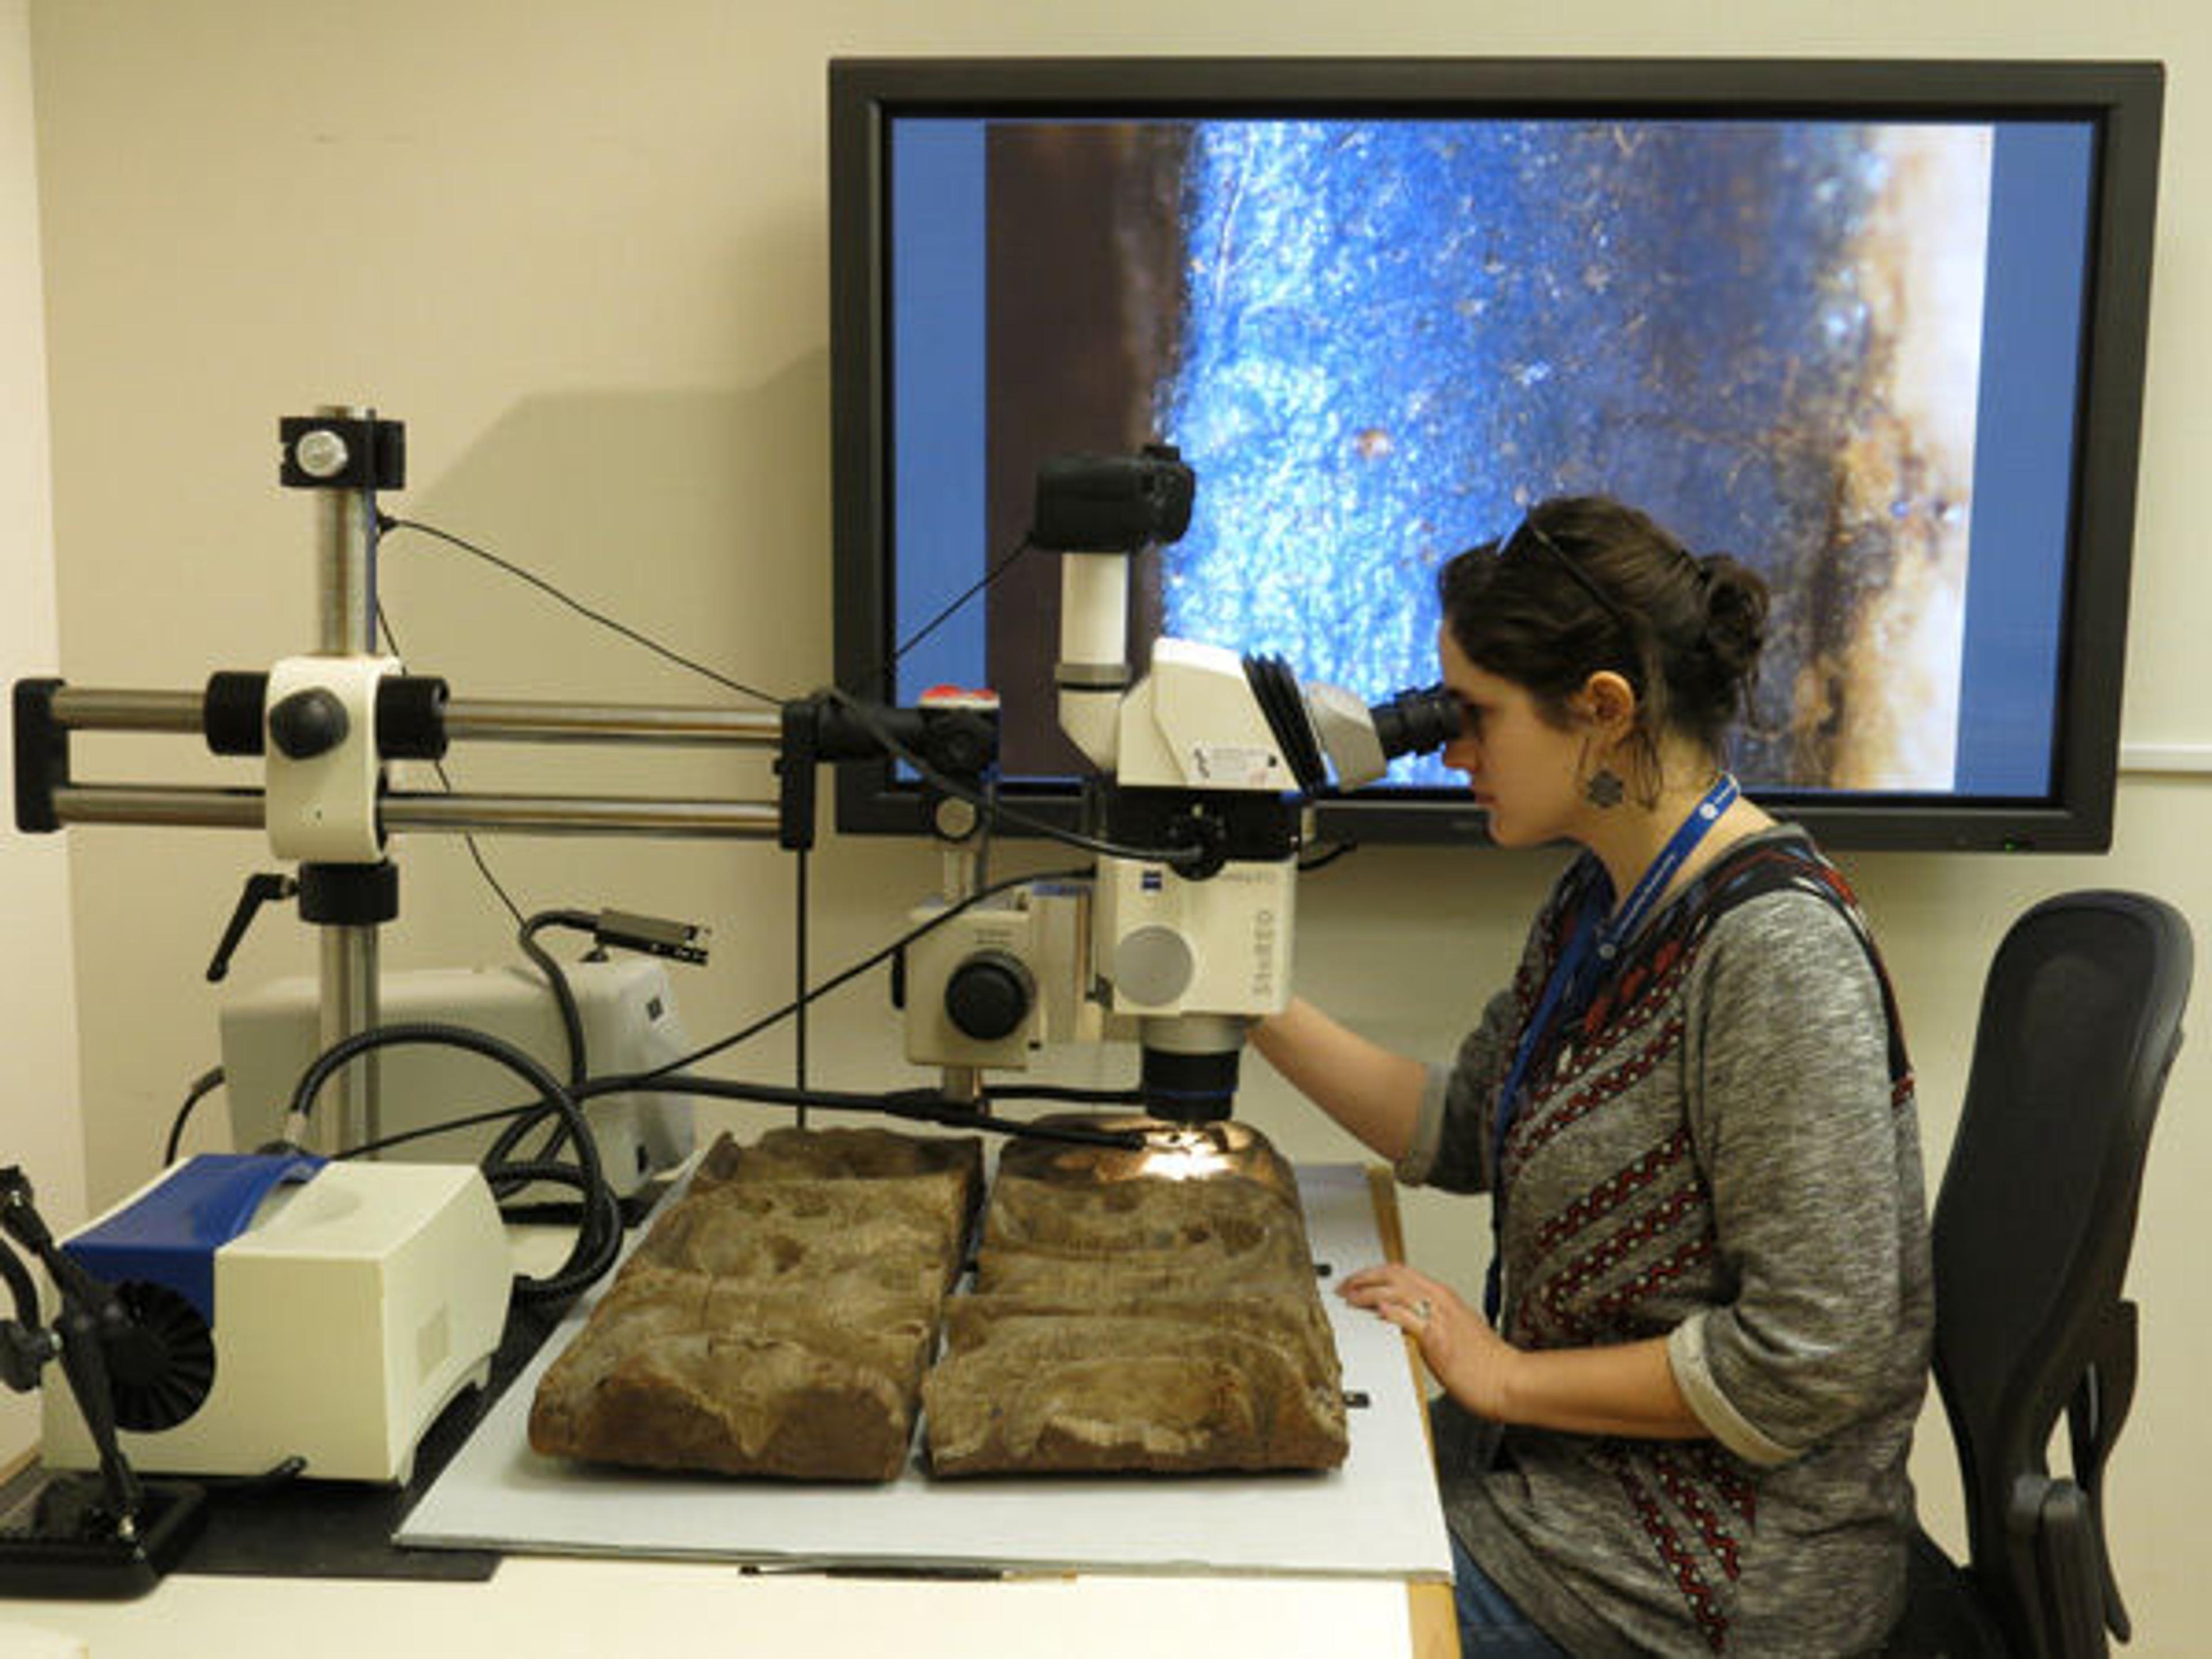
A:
[344, 489]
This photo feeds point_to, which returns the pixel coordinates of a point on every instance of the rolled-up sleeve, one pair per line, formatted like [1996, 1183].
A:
[1450, 1144]
[1450, 1147]
[1793, 1118]
[1420, 1157]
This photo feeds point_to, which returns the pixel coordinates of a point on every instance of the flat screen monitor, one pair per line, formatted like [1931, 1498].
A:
[1875, 328]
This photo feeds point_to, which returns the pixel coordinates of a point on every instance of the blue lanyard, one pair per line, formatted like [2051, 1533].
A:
[1599, 937]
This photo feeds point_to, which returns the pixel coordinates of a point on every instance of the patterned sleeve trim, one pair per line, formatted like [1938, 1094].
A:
[1420, 1157]
[1693, 1374]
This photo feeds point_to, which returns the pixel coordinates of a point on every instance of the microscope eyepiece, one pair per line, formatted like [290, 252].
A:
[1416, 722]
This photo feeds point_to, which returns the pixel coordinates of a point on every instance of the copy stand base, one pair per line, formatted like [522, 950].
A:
[58, 1539]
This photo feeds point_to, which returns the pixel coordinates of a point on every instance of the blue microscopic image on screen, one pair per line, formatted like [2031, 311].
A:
[1398, 335]
[1804, 342]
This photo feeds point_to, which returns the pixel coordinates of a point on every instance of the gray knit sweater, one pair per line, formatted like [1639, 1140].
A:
[1726, 1156]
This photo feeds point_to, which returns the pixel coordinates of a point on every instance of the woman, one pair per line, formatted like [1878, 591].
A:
[1682, 1426]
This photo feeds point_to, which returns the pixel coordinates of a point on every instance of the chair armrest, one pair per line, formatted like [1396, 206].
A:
[2094, 1417]
[2069, 1562]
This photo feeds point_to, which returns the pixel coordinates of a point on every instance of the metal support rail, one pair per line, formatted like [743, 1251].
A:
[179, 807]
[90, 708]
[85, 708]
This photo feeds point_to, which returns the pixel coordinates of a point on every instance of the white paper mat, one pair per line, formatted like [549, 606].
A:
[1377, 1515]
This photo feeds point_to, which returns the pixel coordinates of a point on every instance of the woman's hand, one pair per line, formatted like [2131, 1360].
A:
[1470, 1359]
[1625, 1389]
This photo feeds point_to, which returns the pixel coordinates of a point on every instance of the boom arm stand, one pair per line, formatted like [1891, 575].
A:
[109, 1535]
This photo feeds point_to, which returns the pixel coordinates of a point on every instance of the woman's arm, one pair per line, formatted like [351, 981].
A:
[1625, 1390]
[1373, 1092]
[1809, 1149]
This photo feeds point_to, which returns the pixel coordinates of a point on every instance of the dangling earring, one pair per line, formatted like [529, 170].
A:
[1602, 788]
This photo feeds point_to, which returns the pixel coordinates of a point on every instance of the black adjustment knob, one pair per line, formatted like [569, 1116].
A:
[308, 723]
[988, 996]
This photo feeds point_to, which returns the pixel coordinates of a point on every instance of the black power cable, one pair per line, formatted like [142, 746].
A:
[388, 524]
[1322, 859]
[882, 670]
[846, 976]
[203, 1086]
[606, 927]
[572, 1031]
[564, 995]
[916, 1105]
[997, 809]
[445, 782]
[1063, 1092]
[599, 1239]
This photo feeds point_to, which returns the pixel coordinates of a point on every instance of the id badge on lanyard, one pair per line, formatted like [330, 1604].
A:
[1591, 950]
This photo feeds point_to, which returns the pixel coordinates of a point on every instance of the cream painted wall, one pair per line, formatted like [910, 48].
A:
[578, 246]
[40, 1126]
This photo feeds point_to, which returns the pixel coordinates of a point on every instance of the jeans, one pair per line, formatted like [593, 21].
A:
[1488, 1622]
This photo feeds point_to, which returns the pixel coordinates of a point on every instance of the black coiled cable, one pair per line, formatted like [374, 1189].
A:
[599, 1238]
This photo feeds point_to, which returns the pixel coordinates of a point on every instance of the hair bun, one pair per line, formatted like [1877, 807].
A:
[1735, 612]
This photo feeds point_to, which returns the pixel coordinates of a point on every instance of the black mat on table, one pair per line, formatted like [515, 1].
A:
[341, 1528]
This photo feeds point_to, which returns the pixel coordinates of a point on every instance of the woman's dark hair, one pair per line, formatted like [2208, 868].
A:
[1584, 583]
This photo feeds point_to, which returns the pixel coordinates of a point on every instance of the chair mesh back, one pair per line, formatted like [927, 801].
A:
[2032, 1227]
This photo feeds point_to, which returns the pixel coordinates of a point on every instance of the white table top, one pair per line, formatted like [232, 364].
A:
[556, 1607]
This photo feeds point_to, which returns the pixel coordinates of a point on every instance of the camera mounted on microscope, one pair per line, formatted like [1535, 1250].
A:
[1112, 503]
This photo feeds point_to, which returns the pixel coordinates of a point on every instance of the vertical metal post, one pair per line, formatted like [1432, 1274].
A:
[345, 618]
[347, 969]
[345, 560]
[958, 825]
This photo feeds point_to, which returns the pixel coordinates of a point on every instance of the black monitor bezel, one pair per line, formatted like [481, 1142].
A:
[2124, 102]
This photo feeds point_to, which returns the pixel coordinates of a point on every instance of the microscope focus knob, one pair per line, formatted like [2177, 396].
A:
[307, 723]
[989, 995]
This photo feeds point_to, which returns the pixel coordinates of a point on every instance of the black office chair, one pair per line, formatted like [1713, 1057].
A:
[2081, 1020]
